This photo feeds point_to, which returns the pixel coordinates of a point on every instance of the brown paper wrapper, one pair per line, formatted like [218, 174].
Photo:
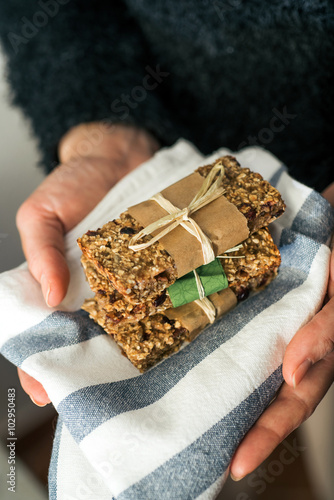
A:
[220, 220]
[193, 318]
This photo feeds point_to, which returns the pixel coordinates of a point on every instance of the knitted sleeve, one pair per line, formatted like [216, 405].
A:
[72, 61]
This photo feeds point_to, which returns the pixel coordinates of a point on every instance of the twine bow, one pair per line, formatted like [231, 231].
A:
[209, 191]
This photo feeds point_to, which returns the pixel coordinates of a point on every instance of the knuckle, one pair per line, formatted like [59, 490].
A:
[328, 345]
[303, 410]
[23, 213]
[323, 342]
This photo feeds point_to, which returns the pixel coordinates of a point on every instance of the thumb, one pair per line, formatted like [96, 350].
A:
[42, 234]
[310, 344]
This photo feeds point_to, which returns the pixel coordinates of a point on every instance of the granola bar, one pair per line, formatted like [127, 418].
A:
[139, 276]
[151, 339]
[113, 303]
[135, 275]
[254, 197]
[256, 264]
[147, 341]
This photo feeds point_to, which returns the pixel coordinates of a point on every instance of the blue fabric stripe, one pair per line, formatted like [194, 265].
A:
[60, 329]
[53, 467]
[104, 401]
[314, 210]
[197, 467]
[277, 175]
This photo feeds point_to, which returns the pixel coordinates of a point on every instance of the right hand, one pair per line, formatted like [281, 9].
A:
[93, 159]
[308, 370]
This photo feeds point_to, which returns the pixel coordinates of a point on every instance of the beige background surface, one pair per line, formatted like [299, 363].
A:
[19, 176]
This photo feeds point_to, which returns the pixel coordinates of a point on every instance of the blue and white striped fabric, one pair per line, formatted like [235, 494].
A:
[169, 433]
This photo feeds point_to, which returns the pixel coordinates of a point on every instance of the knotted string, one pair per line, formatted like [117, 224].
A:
[209, 191]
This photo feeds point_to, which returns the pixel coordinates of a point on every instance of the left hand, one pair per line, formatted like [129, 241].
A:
[308, 370]
[93, 158]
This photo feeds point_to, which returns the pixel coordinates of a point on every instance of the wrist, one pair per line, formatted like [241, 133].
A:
[328, 193]
[122, 143]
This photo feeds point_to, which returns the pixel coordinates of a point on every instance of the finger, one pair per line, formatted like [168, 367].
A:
[42, 237]
[310, 344]
[286, 413]
[33, 388]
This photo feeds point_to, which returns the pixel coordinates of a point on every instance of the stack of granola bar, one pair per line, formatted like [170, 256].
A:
[132, 300]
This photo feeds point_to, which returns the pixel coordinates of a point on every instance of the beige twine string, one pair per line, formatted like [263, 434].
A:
[233, 249]
[199, 285]
[208, 308]
[208, 192]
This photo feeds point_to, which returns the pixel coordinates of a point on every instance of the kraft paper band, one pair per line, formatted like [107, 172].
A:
[219, 220]
[209, 191]
[194, 319]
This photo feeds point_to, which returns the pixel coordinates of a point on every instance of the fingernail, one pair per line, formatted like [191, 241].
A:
[46, 289]
[301, 372]
[36, 403]
[236, 478]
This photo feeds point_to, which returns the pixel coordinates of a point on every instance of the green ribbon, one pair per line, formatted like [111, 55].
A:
[184, 290]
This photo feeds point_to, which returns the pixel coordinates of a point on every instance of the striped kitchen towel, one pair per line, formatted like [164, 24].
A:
[169, 433]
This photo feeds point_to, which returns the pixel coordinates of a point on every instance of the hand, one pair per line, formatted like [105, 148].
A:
[70, 192]
[94, 158]
[308, 370]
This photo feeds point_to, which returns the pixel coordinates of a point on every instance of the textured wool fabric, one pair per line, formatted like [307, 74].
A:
[232, 72]
[169, 433]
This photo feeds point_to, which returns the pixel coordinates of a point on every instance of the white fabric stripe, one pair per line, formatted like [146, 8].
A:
[20, 292]
[259, 160]
[76, 478]
[63, 371]
[295, 195]
[154, 432]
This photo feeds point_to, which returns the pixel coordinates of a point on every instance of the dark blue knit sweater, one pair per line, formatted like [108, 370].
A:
[219, 73]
